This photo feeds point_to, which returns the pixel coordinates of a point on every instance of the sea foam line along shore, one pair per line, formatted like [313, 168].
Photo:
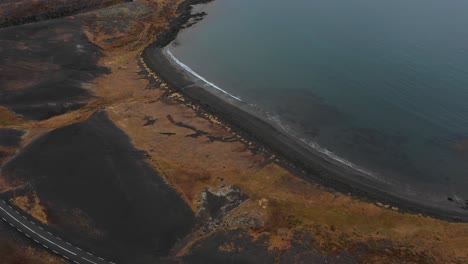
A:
[189, 70]
[298, 157]
[315, 146]
[301, 159]
[327, 153]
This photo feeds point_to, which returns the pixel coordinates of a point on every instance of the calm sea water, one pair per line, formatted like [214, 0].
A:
[379, 84]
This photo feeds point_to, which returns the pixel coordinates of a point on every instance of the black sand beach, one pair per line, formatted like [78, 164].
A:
[297, 156]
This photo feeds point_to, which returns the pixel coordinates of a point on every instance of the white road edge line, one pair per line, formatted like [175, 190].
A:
[88, 260]
[37, 233]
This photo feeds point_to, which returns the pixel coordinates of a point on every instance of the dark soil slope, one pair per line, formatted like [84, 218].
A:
[10, 137]
[16, 12]
[10, 140]
[99, 191]
[43, 66]
[237, 246]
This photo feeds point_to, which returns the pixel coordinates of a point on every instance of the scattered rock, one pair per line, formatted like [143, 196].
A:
[252, 219]
[149, 121]
[216, 204]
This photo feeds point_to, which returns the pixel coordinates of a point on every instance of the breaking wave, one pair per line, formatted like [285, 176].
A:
[188, 69]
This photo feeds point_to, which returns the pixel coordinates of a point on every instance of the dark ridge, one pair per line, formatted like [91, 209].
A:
[90, 173]
[185, 14]
[18, 12]
[45, 111]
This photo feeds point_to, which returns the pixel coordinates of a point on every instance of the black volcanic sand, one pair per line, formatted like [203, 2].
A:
[236, 246]
[10, 140]
[43, 66]
[92, 166]
[17, 12]
[298, 156]
[10, 137]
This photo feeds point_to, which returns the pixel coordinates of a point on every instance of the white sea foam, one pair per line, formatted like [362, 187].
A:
[281, 125]
[329, 154]
[188, 69]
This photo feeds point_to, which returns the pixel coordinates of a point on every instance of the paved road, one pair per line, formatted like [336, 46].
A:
[55, 244]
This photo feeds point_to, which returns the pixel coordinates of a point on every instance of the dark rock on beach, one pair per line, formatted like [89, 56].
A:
[178, 23]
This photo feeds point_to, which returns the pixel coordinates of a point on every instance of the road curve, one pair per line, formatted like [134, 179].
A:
[54, 244]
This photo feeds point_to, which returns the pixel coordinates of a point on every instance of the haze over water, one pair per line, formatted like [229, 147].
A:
[382, 84]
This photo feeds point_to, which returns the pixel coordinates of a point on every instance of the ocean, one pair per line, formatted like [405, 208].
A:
[378, 86]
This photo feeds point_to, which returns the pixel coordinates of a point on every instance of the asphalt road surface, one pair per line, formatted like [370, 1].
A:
[52, 243]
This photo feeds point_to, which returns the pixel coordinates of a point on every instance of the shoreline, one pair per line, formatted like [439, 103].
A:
[300, 159]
